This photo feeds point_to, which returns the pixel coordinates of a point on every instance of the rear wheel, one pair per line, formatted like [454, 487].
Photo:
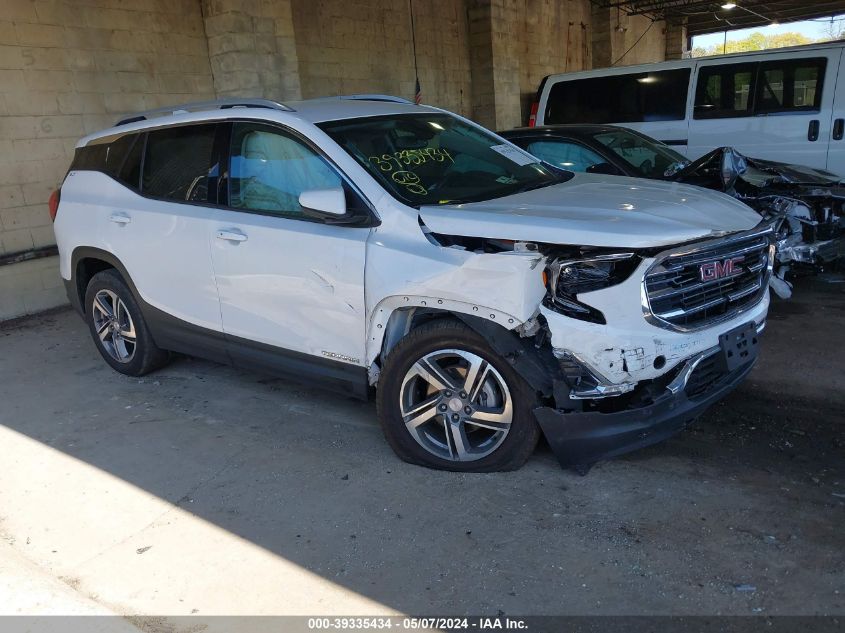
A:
[118, 327]
[446, 400]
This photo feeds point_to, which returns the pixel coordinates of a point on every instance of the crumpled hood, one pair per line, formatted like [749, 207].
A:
[799, 174]
[597, 210]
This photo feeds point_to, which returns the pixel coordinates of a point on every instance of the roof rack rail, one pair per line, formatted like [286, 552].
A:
[376, 97]
[195, 106]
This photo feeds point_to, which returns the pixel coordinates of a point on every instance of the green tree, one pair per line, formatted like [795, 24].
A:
[757, 41]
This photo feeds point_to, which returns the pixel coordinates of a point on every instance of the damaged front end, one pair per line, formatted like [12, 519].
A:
[805, 206]
[609, 382]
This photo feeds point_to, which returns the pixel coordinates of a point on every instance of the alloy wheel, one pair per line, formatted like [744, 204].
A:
[456, 405]
[114, 326]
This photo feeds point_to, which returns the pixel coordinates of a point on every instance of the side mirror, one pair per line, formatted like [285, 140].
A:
[603, 168]
[324, 203]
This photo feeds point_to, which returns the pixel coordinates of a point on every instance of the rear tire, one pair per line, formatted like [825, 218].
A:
[447, 401]
[118, 327]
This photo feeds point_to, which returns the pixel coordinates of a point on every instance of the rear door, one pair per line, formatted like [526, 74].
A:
[161, 236]
[776, 107]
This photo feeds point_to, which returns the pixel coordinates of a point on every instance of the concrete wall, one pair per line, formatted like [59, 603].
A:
[359, 47]
[252, 48]
[622, 40]
[69, 67]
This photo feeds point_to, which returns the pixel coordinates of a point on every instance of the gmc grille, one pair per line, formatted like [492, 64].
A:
[695, 288]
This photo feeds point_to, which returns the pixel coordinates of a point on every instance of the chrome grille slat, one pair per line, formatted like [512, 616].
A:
[678, 296]
[711, 255]
[739, 294]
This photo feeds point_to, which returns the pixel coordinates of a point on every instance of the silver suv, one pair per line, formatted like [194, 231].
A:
[372, 245]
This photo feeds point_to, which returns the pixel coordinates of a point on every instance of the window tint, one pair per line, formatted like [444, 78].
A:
[790, 85]
[431, 158]
[724, 91]
[565, 154]
[178, 163]
[130, 172]
[649, 158]
[654, 96]
[108, 158]
[269, 169]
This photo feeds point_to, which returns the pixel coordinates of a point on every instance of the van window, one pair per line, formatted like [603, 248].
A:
[724, 91]
[178, 163]
[634, 97]
[790, 85]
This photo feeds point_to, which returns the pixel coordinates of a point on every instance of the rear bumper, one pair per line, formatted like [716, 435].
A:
[581, 438]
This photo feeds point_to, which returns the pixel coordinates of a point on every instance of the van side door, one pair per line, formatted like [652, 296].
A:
[836, 147]
[775, 107]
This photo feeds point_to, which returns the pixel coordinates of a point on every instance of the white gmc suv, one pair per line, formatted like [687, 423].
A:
[371, 245]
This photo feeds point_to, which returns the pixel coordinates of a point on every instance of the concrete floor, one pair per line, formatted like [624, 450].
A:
[205, 489]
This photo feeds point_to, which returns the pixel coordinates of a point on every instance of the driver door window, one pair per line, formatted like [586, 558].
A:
[269, 169]
[566, 155]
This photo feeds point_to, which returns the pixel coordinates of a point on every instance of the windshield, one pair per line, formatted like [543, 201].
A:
[649, 158]
[438, 159]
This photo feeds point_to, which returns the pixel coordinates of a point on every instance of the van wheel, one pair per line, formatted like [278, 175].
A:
[446, 400]
[118, 327]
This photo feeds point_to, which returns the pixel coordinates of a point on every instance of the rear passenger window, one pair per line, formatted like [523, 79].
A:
[178, 163]
[627, 98]
[269, 169]
[724, 91]
[790, 86]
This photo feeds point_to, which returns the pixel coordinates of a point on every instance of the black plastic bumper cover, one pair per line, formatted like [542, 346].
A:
[584, 438]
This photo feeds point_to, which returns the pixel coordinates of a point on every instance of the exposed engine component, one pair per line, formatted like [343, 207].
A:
[806, 207]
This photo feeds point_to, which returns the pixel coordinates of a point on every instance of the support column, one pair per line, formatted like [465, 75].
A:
[494, 61]
[252, 48]
[677, 41]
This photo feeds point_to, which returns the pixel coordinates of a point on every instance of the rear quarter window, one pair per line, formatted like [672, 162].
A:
[626, 98]
[119, 159]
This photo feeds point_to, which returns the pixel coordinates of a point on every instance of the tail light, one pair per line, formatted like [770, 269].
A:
[532, 118]
[53, 204]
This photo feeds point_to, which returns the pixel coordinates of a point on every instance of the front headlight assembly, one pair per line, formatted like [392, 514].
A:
[570, 277]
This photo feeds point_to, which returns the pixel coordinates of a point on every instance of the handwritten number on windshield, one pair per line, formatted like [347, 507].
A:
[397, 165]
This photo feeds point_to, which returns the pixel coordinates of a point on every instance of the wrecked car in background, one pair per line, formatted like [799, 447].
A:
[804, 205]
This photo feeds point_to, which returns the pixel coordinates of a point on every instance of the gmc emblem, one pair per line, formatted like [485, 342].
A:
[721, 269]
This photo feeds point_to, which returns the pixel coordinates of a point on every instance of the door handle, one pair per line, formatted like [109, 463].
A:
[120, 218]
[838, 129]
[813, 130]
[231, 236]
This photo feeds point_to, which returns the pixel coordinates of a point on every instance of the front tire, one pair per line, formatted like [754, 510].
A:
[446, 400]
[118, 327]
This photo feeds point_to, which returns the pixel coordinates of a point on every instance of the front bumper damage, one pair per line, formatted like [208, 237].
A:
[581, 438]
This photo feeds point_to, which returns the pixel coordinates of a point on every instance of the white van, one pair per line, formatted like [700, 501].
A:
[783, 105]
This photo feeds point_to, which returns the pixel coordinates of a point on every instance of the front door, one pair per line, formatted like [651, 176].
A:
[291, 287]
